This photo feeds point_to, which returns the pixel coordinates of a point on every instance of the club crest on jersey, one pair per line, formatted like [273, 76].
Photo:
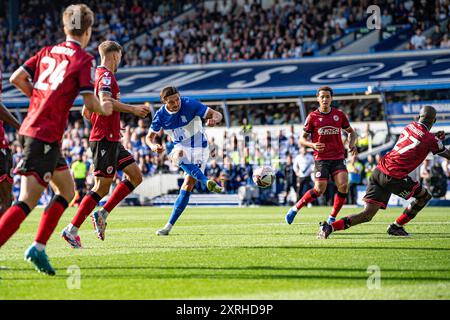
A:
[109, 170]
[320, 119]
[336, 118]
[318, 174]
[183, 119]
[46, 148]
[106, 81]
[328, 130]
[102, 152]
[47, 176]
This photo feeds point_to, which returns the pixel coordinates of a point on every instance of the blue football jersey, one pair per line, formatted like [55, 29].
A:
[185, 126]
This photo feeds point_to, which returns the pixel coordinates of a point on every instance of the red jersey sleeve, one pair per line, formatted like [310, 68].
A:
[30, 65]
[436, 145]
[86, 76]
[345, 123]
[308, 124]
[104, 83]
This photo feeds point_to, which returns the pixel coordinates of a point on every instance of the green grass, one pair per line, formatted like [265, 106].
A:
[235, 253]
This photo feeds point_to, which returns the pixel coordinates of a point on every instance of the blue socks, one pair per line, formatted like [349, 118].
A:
[194, 172]
[180, 205]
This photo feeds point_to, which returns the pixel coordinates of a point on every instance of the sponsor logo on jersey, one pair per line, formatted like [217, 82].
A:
[329, 130]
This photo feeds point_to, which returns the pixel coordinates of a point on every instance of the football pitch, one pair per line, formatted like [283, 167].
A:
[235, 253]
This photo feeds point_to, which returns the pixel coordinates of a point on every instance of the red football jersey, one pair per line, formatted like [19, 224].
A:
[59, 74]
[413, 146]
[3, 140]
[106, 126]
[326, 128]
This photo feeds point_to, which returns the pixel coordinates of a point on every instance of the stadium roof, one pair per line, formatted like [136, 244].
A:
[346, 74]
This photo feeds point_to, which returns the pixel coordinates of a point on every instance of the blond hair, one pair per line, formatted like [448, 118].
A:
[77, 19]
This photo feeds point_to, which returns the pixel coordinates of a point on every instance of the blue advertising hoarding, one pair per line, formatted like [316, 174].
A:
[398, 115]
[395, 71]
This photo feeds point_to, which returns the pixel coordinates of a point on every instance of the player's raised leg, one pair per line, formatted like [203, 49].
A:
[133, 178]
[422, 197]
[319, 188]
[370, 210]
[341, 180]
[181, 158]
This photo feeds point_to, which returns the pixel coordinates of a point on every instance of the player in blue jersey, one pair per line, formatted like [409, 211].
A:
[181, 118]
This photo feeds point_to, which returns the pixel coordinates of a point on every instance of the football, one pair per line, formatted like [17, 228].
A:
[263, 177]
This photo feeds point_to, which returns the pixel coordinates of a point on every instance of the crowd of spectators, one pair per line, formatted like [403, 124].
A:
[233, 158]
[39, 24]
[224, 30]
[437, 39]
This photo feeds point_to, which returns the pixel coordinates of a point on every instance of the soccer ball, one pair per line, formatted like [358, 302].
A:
[263, 177]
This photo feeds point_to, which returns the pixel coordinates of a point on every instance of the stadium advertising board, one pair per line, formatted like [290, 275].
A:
[395, 71]
[398, 115]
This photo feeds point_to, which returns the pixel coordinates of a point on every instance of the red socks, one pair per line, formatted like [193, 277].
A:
[120, 192]
[338, 225]
[11, 220]
[339, 200]
[50, 218]
[342, 224]
[88, 204]
[403, 219]
[308, 197]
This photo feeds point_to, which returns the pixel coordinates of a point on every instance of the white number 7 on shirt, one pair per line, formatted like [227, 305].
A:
[406, 143]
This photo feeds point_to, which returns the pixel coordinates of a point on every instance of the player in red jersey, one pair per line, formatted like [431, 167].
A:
[6, 162]
[391, 176]
[108, 153]
[58, 74]
[324, 127]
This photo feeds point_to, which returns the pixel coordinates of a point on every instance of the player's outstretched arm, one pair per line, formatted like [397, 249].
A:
[213, 117]
[21, 80]
[304, 140]
[150, 140]
[105, 107]
[352, 140]
[7, 117]
[139, 111]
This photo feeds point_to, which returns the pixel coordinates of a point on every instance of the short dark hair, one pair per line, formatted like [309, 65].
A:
[166, 92]
[324, 88]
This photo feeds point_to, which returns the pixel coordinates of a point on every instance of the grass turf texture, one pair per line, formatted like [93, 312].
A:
[235, 253]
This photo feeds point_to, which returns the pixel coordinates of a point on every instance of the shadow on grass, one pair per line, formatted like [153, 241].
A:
[239, 273]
